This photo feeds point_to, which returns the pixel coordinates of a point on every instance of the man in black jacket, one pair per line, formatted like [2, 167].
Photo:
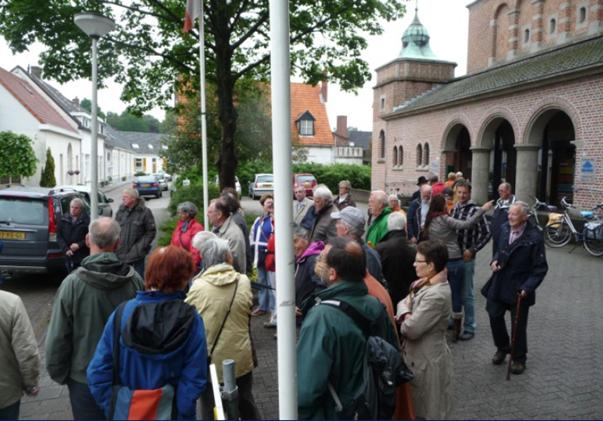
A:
[518, 267]
[397, 258]
[137, 230]
[71, 234]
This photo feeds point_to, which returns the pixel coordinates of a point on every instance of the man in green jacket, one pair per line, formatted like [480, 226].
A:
[83, 304]
[331, 346]
[378, 206]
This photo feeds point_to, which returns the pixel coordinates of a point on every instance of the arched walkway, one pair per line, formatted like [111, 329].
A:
[457, 153]
[553, 133]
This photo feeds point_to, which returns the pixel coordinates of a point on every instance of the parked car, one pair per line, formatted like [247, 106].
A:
[163, 182]
[261, 184]
[104, 202]
[237, 184]
[167, 176]
[29, 217]
[307, 180]
[147, 185]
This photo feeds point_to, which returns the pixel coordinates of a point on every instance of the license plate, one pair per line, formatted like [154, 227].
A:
[146, 185]
[12, 235]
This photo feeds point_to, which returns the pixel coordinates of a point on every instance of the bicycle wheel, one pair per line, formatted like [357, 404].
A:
[593, 239]
[557, 234]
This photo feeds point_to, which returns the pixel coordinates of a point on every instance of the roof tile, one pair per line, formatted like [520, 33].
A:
[307, 98]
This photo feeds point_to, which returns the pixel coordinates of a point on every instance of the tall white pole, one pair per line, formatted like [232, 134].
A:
[281, 158]
[203, 115]
[94, 135]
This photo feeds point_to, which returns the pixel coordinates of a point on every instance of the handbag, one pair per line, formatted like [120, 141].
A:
[213, 347]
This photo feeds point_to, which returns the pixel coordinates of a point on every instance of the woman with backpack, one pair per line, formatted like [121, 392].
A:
[151, 361]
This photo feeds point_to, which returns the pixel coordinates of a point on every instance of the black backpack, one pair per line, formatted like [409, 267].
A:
[384, 370]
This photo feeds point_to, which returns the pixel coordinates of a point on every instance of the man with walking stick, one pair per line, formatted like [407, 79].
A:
[519, 266]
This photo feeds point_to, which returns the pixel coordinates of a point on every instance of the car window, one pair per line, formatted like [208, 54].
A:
[305, 178]
[265, 178]
[146, 179]
[65, 201]
[23, 211]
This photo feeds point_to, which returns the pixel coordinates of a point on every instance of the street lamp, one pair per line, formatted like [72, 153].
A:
[95, 26]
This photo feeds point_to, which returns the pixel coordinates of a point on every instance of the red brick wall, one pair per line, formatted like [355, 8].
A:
[581, 99]
[497, 27]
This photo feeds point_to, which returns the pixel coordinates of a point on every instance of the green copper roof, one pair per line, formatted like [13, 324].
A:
[415, 41]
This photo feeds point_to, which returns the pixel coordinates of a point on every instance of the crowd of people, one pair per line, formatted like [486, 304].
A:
[124, 322]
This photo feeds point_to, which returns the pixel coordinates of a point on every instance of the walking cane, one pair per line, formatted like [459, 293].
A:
[514, 334]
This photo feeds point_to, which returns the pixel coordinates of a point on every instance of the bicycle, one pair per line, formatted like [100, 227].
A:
[560, 229]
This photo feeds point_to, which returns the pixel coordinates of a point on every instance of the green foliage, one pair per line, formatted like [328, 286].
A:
[166, 230]
[139, 173]
[331, 175]
[86, 104]
[192, 193]
[130, 122]
[17, 157]
[48, 179]
[148, 50]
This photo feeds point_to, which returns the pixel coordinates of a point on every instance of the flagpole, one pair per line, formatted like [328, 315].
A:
[203, 114]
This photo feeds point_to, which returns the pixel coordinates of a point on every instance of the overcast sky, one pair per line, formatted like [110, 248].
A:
[446, 21]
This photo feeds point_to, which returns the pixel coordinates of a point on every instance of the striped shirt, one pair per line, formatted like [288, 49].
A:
[475, 238]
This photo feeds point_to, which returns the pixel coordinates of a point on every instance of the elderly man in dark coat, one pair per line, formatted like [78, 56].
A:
[71, 234]
[518, 267]
[397, 258]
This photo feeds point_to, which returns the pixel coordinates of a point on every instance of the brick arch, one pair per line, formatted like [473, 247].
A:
[549, 103]
[453, 123]
[486, 126]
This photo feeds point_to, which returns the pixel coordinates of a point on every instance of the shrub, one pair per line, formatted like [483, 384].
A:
[331, 175]
[192, 193]
[166, 231]
[139, 173]
[47, 179]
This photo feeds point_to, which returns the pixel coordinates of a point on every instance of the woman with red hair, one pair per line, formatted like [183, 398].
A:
[161, 340]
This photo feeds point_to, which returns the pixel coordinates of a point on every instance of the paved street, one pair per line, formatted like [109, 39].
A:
[564, 378]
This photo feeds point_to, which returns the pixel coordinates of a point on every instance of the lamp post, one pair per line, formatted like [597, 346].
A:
[95, 26]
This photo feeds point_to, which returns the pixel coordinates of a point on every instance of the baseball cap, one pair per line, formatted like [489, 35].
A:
[350, 215]
[421, 180]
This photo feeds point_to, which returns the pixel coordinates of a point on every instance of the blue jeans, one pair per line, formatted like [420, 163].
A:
[11, 412]
[469, 324]
[455, 279]
[265, 296]
[83, 405]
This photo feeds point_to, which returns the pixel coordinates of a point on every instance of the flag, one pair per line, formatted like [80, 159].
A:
[193, 11]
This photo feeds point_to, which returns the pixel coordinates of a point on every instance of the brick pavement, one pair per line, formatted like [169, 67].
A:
[564, 378]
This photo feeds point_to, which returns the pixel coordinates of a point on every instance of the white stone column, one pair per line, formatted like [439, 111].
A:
[526, 175]
[480, 169]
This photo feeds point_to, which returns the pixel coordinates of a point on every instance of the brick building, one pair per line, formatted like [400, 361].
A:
[529, 111]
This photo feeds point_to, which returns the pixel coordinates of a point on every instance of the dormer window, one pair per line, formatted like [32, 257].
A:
[135, 146]
[305, 124]
[150, 146]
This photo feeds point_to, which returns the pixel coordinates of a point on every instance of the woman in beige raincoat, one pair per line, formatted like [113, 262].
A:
[424, 317]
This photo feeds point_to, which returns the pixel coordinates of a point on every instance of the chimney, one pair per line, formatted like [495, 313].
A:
[342, 126]
[36, 71]
[324, 91]
[76, 101]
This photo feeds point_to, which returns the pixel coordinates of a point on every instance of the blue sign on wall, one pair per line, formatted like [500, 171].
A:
[587, 171]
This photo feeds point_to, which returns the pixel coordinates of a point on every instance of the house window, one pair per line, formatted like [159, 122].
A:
[395, 156]
[552, 26]
[526, 36]
[382, 144]
[400, 156]
[419, 155]
[382, 105]
[426, 154]
[582, 15]
[138, 163]
[306, 128]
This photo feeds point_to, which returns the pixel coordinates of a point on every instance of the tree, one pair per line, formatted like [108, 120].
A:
[132, 122]
[17, 157]
[47, 179]
[86, 104]
[151, 56]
